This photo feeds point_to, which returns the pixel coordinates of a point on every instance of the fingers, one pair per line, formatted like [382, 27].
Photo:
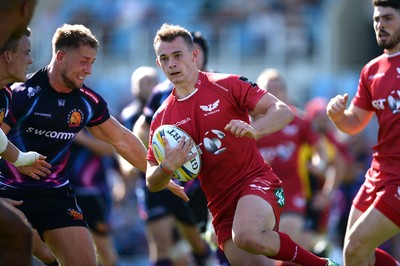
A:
[240, 128]
[337, 105]
[13, 202]
[41, 157]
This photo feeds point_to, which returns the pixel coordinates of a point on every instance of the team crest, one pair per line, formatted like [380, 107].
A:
[75, 214]
[75, 118]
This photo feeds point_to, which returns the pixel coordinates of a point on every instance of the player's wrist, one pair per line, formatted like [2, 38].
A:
[26, 158]
[165, 170]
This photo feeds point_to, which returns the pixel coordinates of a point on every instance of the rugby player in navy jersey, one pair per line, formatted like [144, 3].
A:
[47, 111]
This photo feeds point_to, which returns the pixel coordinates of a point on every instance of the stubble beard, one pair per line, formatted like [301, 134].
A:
[393, 40]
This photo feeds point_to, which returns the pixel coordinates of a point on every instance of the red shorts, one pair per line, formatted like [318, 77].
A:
[225, 211]
[381, 191]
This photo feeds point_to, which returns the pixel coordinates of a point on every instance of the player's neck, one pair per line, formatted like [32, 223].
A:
[56, 81]
[184, 89]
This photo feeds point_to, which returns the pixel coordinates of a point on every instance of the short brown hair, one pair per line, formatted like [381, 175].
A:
[169, 33]
[73, 36]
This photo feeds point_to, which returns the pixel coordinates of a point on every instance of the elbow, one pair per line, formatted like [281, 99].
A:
[288, 116]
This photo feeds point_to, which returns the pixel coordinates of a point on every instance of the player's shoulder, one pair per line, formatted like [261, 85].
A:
[90, 94]
[226, 80]
[381, 59]
[33, 85]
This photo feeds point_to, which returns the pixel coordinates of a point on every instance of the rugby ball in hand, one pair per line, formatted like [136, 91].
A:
[173, 134]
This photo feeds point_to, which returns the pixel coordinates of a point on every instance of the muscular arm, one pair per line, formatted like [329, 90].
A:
[93, 144]
[352, 120]
[269, 115]
[123, 140]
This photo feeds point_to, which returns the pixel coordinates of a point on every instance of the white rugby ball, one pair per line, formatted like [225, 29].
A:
[173, 134]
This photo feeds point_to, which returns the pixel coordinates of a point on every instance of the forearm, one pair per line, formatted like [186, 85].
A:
[277, 117]
[132, 150]
[348, 123]
[157, 178]
[10, 153]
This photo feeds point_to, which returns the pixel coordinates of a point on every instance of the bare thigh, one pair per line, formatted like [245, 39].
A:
[73, 246]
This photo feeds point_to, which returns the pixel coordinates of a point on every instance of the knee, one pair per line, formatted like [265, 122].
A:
[352, 248]
[248, 242]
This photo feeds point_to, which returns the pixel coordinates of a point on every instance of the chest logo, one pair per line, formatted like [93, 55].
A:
[75, 118]
[211, 107]
[212, 141]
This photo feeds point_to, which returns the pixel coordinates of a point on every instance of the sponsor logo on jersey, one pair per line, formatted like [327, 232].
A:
[393, 101]
[280, 197]
[51, 134]
[212, 141]
[182, 122]
[210, 108]
[90, 94]
[33, 91]
[377, 75]
[75, 118]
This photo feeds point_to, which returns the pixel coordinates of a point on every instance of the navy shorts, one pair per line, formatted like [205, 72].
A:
[47, 209]
[96, 211]
[162, 203]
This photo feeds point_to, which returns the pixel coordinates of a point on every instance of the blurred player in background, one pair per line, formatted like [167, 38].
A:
[281, 150]
[375, 213]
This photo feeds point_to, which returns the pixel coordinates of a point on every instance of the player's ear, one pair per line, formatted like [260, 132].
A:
[60, 55]
[7, 56]
[158, 63]
[195, 54]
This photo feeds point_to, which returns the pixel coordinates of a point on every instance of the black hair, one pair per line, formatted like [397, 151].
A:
[201, 40]
[387, 3]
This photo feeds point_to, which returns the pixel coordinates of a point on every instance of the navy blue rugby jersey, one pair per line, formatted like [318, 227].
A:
[158, 96]
[5, 98]
[46, 121]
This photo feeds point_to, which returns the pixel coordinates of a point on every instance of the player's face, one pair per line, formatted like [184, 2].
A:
[20, 60]
[387, 28]
[176, 60]
[76, 64]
